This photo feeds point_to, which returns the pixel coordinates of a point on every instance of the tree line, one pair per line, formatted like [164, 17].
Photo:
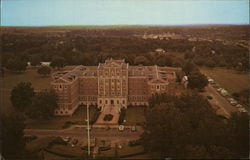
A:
[89, 47]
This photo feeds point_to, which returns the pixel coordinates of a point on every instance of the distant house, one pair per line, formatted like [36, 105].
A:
[45, 63]
[160, 51]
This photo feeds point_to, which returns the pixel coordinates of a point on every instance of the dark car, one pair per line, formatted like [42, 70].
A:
[75, 141]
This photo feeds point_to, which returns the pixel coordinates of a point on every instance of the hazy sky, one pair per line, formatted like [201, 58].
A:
[130, 12]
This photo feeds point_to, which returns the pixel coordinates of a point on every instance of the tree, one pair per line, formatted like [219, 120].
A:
[197, 80]
[239, 129]
[43, 105]
[44, 70]
[16, 65]
[189, 67]
[210, 63]
[166, 131]
[12, 142]
[21, 96]
[58, 62]
[35, 59]
[141, 60]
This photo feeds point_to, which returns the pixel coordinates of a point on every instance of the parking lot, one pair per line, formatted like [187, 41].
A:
[221, 99]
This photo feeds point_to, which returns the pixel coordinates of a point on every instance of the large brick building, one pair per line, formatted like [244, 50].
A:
[113, 83]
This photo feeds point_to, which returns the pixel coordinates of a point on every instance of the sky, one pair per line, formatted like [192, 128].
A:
[123, 12]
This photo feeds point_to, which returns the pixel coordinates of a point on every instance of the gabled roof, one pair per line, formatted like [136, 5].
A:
[60, 80]
[112, 64]
[157, 81]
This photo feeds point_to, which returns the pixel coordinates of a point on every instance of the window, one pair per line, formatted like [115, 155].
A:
[106, 101]
[123, 102]
[65, 87]
[117, 101]
[60, 86]
[157, 87]
[100, 101]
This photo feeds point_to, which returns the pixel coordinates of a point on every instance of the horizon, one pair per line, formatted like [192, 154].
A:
[41, 13]
[132, 25]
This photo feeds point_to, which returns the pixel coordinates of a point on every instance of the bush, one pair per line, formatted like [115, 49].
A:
[57, 140]
[29, 138]
[108, 117]
[122, 116]
[94, 117]
[134, 143]
[209, 97]
[104, 148]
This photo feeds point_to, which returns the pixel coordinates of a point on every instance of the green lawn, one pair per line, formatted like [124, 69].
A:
[228, 79]
[134, 115]
[57, 122]
[11, 79]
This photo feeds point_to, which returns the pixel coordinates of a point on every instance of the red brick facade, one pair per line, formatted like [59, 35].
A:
[112, 83]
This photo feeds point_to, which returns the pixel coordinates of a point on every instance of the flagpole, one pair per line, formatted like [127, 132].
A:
[88, 128]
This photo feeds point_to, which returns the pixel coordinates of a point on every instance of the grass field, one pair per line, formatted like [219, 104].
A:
[228, 79]
[11, 79]
[134, 115]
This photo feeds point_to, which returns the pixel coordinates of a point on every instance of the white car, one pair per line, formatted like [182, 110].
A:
[238, 106]
[242, 110]
[233, 102]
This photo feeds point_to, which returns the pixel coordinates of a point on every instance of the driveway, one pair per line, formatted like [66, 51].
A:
[219, 103]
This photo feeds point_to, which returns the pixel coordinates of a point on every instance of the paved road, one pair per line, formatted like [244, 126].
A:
[219, 102]
[81, 132]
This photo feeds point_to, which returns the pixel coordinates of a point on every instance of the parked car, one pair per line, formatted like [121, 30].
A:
[234, 102]
[224, 92]
[219, 89]
[66, 139]
[75, 141]
[133, 128]
[242, 110]
[121, 127]
[209, 97]
[210, 80]
[216, 85]
[239, 106]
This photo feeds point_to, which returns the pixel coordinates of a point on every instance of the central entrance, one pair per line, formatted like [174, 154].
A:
[111, 101]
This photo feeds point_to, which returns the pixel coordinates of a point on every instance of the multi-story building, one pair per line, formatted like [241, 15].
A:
[113, 83]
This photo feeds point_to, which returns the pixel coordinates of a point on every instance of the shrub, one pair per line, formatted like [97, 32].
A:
[108, 117]
[122, 116]
[94, 117]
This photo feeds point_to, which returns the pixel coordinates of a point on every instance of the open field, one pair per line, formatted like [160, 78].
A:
[134, 115]
[228, 79]
[57, 122]
[11, 79]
